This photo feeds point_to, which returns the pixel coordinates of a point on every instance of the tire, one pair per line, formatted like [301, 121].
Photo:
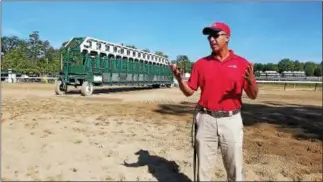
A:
[60, 88]
[156, 85]
[87, 88]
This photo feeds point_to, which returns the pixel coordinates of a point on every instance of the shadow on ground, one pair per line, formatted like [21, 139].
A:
[99, 90]
[304, 122]
[181, 109]
[162, 169]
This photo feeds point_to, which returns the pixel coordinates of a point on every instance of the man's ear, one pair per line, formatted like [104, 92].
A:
[228, 39]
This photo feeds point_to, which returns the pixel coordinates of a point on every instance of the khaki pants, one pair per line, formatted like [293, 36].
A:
[226, 133]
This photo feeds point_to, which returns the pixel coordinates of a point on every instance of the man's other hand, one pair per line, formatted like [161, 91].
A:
[249, 73]
[176, 70]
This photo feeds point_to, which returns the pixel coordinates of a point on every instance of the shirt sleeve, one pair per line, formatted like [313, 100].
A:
[193, 81]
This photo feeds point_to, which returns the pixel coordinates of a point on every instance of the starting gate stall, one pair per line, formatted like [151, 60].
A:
[89, 62]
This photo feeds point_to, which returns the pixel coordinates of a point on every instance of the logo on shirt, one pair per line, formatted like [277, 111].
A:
[233, 66]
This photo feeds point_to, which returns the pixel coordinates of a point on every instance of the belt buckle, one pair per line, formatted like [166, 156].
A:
[217, 114]
[214, 114]
[224, 113]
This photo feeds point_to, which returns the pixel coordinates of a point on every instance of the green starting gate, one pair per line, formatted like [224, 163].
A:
[89, 62]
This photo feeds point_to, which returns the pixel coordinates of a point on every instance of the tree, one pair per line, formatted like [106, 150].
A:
[35, 46]
[271, 67]
[15, 60]
[285, 65]
[184, 63]
[131, 46]
[309, 68]
[159, 53]
[146, 50]
[298, 66]
[30, 56]
[9, 43]
[318, 70]
[259, 67]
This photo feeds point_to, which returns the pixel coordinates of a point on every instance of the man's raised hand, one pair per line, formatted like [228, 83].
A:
[248, 75]
[176, 70]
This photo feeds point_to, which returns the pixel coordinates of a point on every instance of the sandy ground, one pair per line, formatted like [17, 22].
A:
[48, 137]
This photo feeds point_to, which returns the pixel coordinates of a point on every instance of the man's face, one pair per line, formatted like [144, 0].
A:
[218, 41]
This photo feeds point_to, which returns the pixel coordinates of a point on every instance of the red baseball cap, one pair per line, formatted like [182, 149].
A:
[216, 28]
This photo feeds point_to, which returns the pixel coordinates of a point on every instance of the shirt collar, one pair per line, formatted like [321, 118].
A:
[231, 55]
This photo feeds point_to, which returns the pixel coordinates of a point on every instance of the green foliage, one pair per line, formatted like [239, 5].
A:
[318, 71]
[259, 67]
[271, 67]
[146, 50]
[30, 56]
[131, 46]
[15, 59]
[160, 53]
[285, 65]
[35, 55]
[298, 66]
[184, 63]
[310, 68]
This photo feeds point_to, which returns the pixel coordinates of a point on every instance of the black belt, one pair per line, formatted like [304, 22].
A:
[219, 114]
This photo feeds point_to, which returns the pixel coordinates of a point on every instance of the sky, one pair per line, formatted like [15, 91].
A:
[262, 32]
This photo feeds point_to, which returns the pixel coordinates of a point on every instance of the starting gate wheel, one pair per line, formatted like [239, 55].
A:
[60, 88]
[87, 88]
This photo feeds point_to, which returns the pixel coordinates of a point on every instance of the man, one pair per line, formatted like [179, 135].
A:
[222, 76]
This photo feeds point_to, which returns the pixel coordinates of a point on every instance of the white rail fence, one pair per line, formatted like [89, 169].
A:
[52, 80]
[315, 84]
[308, 78]
[29, 79]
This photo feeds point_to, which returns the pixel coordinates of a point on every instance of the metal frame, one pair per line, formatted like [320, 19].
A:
[89, 62]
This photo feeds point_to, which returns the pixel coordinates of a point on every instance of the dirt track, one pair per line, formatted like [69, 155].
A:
[48, 137]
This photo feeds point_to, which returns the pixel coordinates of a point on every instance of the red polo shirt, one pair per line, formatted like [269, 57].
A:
[221, 83]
